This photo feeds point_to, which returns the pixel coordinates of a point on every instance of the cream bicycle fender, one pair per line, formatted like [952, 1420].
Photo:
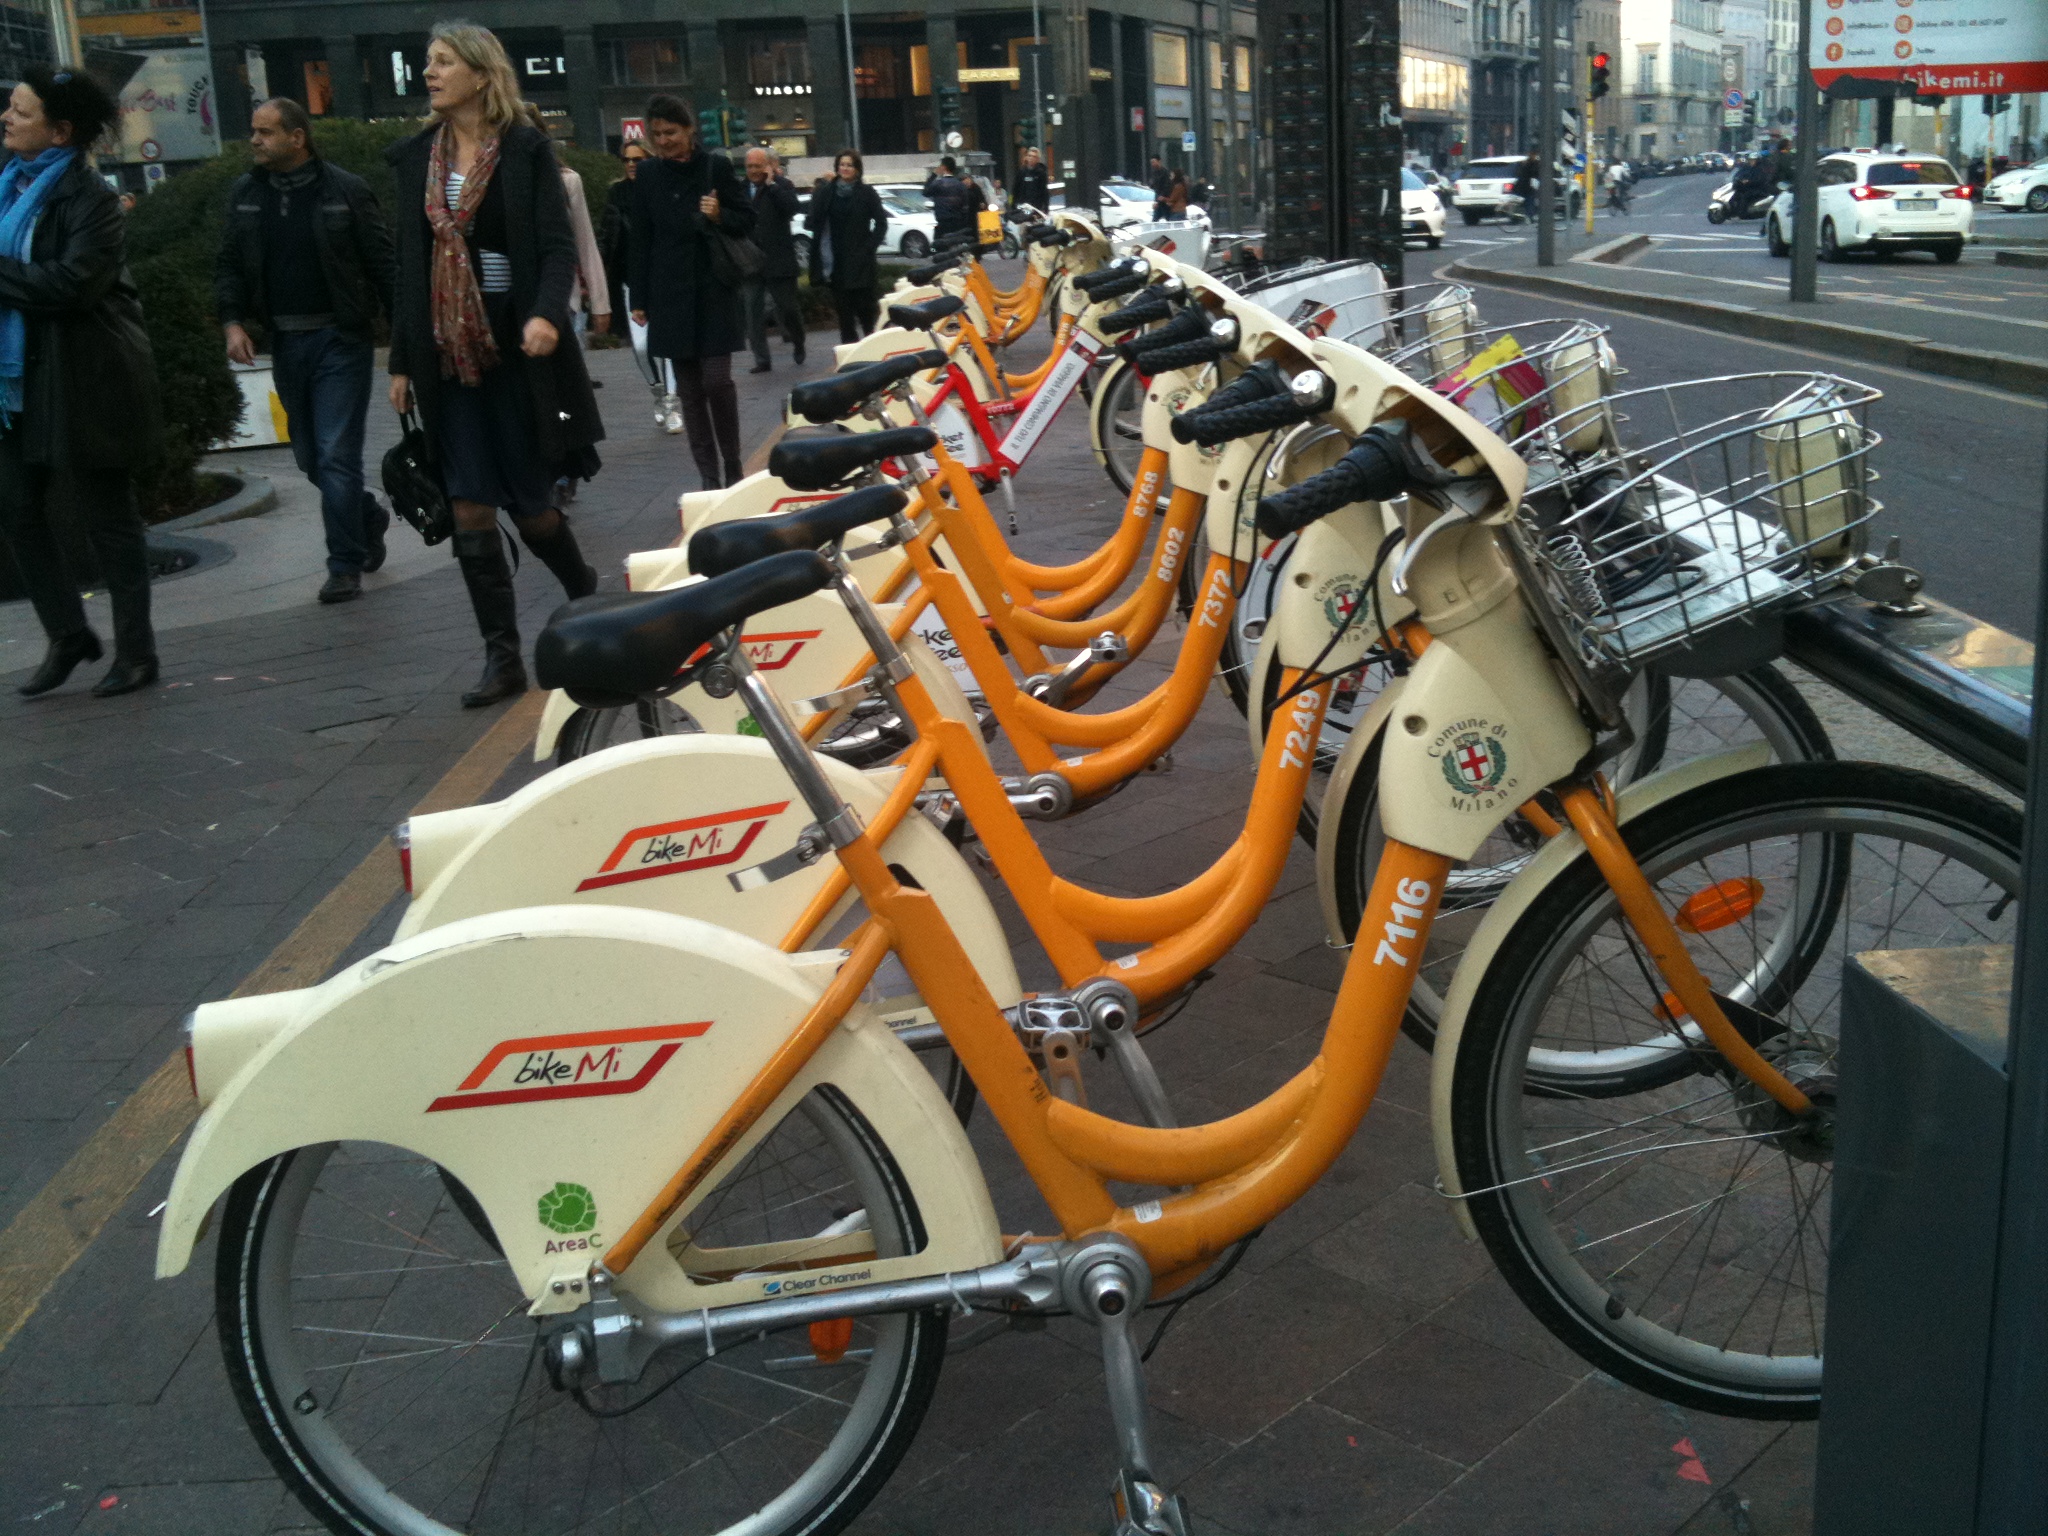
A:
[660, 824]
[1521, 893]
[1343, 774]
[529, 1049]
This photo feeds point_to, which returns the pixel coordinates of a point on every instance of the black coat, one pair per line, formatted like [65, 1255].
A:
[1031, 185]
[690, 314]
[355, 252]
[89, 394]
[777, 206]
[855, 226]
[543, 256]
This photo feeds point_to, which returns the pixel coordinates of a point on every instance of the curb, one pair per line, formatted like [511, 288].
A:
[1613, 252]
[2001, 370]
[2021, 258]
[256, 497]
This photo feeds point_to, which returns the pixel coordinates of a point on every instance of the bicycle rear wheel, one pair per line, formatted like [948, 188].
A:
[382, 1355]
[592, 730]
[1676, 1236]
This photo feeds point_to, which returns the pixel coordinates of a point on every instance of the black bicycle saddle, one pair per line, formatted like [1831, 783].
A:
[722, 547]
[609, 651]
[823, 400]
[819, 463]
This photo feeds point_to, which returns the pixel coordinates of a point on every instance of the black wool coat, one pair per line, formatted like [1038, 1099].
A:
[690, 314]
[542, 251]
[777, 206]
[89, 394]
[855, 226]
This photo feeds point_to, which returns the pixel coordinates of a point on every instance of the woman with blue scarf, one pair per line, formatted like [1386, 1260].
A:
[78, 409]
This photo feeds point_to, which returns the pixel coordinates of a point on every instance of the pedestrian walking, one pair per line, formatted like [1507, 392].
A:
[486, 263]
[78, 392]
[693, 320]
[614, 225]
[1177, 196]
[777, 206]
[847, 226]
[949, 199]
[1160, 180]
[1030, 187]
[307, 257]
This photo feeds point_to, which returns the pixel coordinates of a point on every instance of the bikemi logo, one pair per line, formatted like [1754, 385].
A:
[676, 847]
[538, 1069]
[1474, 761]
[771, 653]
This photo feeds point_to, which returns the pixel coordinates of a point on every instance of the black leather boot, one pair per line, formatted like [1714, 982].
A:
[64, 654]
[557, 550]
[127, 674]
[485, 572]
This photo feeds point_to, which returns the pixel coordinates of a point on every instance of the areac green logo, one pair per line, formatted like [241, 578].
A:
[568, 1208]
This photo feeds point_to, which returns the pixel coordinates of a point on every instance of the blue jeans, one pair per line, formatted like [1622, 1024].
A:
[323, 382]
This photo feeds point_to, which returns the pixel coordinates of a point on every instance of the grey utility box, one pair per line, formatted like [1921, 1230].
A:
[1914, 1240]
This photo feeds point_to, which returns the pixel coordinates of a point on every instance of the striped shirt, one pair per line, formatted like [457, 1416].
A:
[494, 268]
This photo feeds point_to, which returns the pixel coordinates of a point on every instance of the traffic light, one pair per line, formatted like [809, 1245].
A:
[710, 130]
[1749, 113]
[1596, 77]
[1027, 134]
[949, 110]
[1993, 105]
[735, 124]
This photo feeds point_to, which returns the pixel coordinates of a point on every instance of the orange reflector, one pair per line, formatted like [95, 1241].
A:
[1729, 901]
[1670, 1010]
[830, 1338]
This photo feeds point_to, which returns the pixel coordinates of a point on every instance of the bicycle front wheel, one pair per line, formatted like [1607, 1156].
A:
[381, 1353]
[1676, 1235]
[1117, 423]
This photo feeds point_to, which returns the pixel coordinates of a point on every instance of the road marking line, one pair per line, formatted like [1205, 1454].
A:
[50, 1233]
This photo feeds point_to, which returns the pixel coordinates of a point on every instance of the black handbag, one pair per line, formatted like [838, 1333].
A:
[412, 479]
[734, 258]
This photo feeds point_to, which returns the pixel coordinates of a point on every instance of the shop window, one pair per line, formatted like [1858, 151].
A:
[319, 88]
[875, 73]
[1169, 58]
[1244, 68]
[642, 61]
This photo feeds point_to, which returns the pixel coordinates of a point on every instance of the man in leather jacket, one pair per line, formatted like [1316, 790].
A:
[308, 256]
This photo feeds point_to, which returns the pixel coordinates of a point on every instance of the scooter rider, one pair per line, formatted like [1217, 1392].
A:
[1753, 184]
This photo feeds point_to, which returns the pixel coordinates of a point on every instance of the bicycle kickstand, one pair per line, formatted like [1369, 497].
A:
[1107, 1281]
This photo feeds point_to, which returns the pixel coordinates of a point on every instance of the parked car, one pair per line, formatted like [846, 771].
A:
[1126, 202]
[2025, 188]
[1422, 211]
[1483, 187]
[1882, 203]
[911, 219]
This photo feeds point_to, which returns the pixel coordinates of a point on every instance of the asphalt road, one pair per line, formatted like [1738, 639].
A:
[1727, 259]
[1962, 466]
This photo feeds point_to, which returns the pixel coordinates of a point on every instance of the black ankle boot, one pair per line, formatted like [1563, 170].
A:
[127, 674]
[557, 550]
[481, 555]
[64, 654]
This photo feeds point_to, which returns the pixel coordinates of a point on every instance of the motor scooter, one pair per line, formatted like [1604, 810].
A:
[1722, 206]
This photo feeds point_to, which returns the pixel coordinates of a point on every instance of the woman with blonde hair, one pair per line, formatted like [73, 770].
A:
[487, 261]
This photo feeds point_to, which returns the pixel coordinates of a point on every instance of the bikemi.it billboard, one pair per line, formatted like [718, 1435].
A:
[1945, 47]
[156, 56]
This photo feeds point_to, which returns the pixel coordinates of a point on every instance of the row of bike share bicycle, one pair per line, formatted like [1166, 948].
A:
[629, 1186]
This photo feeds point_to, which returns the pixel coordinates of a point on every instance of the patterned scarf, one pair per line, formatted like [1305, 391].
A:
[462, 331]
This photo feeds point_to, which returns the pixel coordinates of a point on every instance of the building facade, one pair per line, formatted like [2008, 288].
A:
[1436, 79]
[1672, 68]
[799, 82]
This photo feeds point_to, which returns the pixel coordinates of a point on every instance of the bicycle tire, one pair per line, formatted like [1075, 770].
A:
[316, 1427]
[1763, 696]
[1115, 423]
[591, 730]
[1742, 1332]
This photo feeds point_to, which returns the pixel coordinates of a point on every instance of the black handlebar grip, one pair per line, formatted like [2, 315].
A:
[1152, 304]
[1374, 470]
[1188, 354]
[1089, 282]
[1054, 237]
[1116, 287]
[1209, 427]
[1258, 382]
[1190, 324]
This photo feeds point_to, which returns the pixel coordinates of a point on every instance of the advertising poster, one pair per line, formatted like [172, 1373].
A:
[1945, 47]
[159, 60]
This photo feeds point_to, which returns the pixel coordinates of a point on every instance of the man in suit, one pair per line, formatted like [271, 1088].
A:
[775, 204]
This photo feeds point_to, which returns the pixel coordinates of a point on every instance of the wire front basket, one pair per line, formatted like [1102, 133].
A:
[1517, 378]
[1751, 496]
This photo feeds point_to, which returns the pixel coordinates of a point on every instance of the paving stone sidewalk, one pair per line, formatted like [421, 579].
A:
[1362, 1371]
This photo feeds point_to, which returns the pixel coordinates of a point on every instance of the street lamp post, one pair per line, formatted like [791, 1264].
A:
[1546, 132]
[1806, 168]
[852, 81]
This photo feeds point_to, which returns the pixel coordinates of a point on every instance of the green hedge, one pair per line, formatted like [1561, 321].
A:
[173, 237]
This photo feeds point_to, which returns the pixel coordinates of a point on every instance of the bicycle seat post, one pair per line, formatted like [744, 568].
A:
[837, 821]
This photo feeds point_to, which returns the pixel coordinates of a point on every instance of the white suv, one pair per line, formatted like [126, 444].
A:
[1483, 187]
[1882, 203]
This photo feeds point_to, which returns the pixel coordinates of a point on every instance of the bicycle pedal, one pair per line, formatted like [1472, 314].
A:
[1143, 1508]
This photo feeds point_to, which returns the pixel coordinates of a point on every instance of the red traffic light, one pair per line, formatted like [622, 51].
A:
[1599, 61]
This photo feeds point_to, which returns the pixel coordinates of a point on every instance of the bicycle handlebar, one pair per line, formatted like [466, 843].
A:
[1153, 304]
[1092, 283]
[1381, 465]
[1219, 341]
[1279, 402]
[1189, 325]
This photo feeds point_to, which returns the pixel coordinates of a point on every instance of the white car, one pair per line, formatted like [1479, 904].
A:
[1126, 202]
[1422, 211]
[1882, 203]
[2025, 188]
[911, 219]
[1483, 187]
